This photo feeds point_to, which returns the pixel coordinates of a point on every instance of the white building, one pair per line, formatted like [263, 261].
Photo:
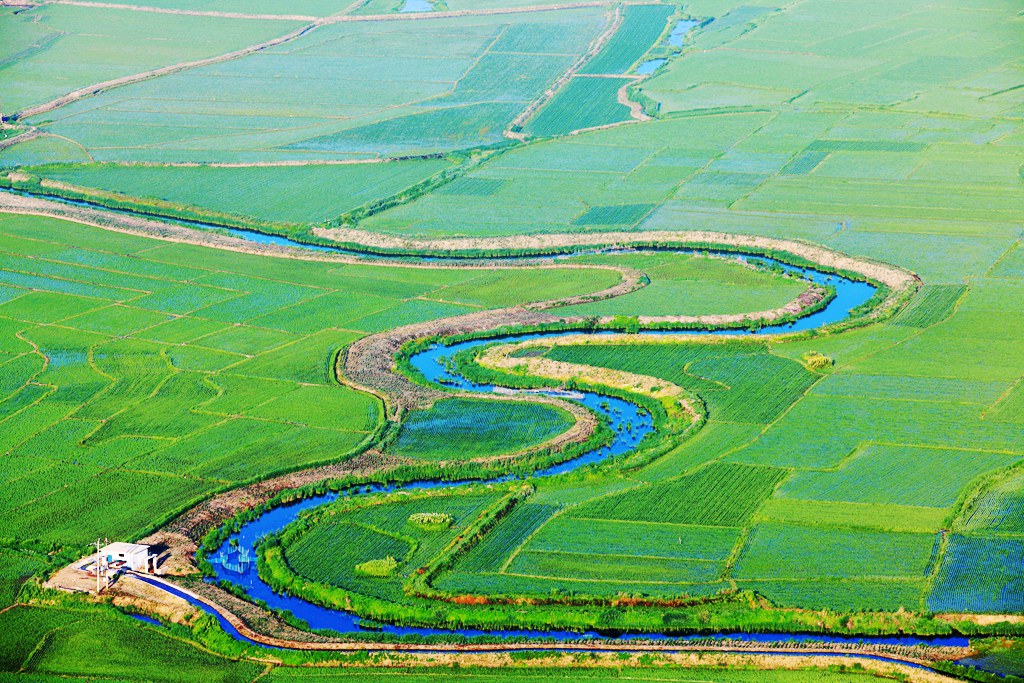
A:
[133, 556]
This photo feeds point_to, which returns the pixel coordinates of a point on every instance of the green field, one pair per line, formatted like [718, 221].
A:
[582, 103]
[51, 51]
[874, 492]
[241, 191]
[641, 27]
[168, 375]
[450, 85]
[694, 286]
[102, 644]
[458, 429]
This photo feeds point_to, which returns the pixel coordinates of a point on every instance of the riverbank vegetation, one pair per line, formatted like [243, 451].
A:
[864, 477]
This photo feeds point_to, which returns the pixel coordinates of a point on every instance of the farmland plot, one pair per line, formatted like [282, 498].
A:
[57, 49]
[980, 574]
[331, 550]
[457, 429]
[452, 84]
[729, 377]
[641, 27]
[162, 372]
[300, 194]
[168, 375]
[695, 286]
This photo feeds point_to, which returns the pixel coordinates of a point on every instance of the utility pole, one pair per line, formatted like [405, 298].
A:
[97, 566]
[99, 562]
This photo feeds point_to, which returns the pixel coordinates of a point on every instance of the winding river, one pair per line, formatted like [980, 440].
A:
[230, 563]
[234, 561]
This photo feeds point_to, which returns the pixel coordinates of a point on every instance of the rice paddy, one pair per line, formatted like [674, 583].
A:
[863, 481]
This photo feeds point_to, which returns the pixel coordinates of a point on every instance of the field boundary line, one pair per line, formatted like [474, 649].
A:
[519, 548]
[596, 46]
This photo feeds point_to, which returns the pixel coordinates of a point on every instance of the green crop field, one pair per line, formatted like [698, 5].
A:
[583, 103]
[262, 416]
[458, 429]
[239, 191]
[694, 286]
[166, 376]
[641, 27]
[447, 89]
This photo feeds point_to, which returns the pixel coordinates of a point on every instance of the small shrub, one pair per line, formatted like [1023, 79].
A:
[431, 521]
[818, 361]
[378, 568]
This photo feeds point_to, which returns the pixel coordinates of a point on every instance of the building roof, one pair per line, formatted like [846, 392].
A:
[124, 548]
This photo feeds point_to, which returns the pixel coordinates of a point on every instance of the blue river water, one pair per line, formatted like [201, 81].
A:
[417, 6]
[650, 66]
[675, 39]
[630, 425]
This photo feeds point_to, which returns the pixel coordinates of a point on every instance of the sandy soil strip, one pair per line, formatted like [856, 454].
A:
[169, 232]
[500, 358]
[636, 110]
[889, 275]
[19, 138]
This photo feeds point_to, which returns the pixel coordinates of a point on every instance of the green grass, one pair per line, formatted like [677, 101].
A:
[66, 48]
[781, 551]
[979, 573]
[451, 85]
[623, 214]
[640, 29]
[582, 103]
[934, 304]
[851, 595]
[716, 495]
[896, 476]
[574, 548]
[683, 285]
[491, 553]
[832, 513]
[892, 137]
[739, 382]
[331, 553]
[103, 391]
[300, 194]
[104, 643]
[462, 429]
[14, 570]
